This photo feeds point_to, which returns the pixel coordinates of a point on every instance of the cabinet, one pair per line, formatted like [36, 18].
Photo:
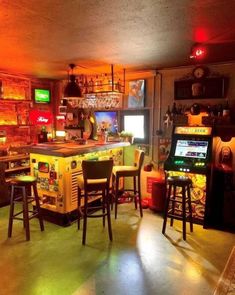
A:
[10, 167]
[214, 87]
[221, 201]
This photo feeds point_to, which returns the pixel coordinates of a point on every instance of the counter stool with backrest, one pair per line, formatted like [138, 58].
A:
[178, 204]
[21, 193]
[94, 182]
[129, 171]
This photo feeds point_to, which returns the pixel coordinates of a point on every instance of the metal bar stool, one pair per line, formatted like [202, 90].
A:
[21, 193]
[94, 182]
[178, 205]
[129, 171]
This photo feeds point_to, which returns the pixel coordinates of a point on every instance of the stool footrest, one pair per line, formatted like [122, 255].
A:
[97, 215]
[179, 217]
[33, 215]
[177, 211]
[178, 201]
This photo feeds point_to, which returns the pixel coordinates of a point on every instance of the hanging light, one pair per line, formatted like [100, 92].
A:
[72, 89]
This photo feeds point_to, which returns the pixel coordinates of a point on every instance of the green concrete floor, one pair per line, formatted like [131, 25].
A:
[140, 260]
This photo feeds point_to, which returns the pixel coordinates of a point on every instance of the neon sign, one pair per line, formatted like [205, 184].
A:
[37, 117]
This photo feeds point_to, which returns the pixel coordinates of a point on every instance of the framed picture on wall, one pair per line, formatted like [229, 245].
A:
[136, 94]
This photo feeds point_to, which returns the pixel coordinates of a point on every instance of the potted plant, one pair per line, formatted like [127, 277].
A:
[127, 136]
[113, 136]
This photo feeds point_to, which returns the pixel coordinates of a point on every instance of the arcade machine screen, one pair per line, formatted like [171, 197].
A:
[191, 149]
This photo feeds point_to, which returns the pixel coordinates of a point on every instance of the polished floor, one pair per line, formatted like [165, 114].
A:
[140, 260]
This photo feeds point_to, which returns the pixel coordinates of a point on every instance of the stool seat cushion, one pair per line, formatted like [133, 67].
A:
[179, 180]
[120, 169]
[90, 181]
[25, 178]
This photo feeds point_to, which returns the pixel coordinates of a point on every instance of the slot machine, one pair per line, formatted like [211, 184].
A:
[191, 155]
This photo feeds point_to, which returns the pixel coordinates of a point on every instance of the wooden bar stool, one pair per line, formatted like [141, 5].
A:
[94, 182]
[21, 193]
[178, 204]
[129, 171]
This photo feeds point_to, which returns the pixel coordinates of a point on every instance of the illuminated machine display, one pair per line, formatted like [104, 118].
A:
[57, 170]
[191, 155]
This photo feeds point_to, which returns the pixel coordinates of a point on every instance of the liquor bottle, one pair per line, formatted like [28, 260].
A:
[1, 90]
[226, 109]
[226, 112]
[91, 86]
[111, 85]
[96, 84]
[220, 110]
[174, 109]
[105, 83]
[86, 87]
[119, 86]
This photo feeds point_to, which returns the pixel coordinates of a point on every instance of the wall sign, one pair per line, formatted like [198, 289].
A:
[37, 117]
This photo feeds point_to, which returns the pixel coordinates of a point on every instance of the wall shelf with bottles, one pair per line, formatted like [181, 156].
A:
[109, 81]
[14, 88]
[14, 114]
[105, 83]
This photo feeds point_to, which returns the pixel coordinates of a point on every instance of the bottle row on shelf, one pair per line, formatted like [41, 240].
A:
[217, 110]
[100, 83]
[210, 114]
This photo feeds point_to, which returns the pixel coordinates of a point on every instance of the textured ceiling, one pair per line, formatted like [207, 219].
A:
[41, 38]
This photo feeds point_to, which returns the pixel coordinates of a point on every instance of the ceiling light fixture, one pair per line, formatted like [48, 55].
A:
[198, 51]
[72, 89]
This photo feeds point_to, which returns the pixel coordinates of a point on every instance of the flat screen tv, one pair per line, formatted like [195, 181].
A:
[42, 95]
[191, 148]
[107, 120]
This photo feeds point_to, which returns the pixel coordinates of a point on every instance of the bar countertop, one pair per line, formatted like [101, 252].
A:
[67, 149]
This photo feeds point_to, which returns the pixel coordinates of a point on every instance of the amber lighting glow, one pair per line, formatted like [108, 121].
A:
[193, 130]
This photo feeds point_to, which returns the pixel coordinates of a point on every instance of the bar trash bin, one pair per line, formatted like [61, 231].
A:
[158, 195]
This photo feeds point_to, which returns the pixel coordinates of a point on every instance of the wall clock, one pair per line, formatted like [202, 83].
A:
[200, 72]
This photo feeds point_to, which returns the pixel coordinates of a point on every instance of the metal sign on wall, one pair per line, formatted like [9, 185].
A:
[106, 101]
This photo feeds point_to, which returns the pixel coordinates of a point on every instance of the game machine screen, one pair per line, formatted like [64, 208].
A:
[106, 121]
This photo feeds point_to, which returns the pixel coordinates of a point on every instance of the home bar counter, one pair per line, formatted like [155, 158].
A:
[57, 166]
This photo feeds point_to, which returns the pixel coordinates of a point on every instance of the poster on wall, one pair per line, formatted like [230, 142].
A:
[164, 145]
[136, 94]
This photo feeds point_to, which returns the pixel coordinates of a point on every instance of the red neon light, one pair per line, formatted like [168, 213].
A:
[37, 117]
[198, 52]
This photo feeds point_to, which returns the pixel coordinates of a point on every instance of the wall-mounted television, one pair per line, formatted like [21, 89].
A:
[42, 95]
[107, 120]
[136, 122]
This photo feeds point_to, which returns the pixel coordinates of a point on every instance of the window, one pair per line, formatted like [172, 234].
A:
[137, 122]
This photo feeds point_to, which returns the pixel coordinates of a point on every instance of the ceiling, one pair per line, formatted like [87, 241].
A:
[40, 38]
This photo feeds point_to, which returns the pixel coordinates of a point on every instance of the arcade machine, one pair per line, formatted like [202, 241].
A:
[191, 155]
